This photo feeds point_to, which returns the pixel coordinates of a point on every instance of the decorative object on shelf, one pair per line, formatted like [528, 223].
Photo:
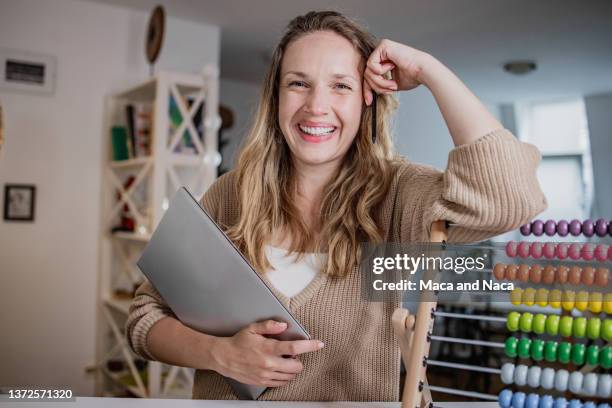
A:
[119, 141]
[155, 35]
[19, 202]
[27, 72]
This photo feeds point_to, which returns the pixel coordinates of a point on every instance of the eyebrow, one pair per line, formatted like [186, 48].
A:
[336, 76]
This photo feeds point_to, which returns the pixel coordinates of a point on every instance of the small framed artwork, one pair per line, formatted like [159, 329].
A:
[27, 72]
[19, 202]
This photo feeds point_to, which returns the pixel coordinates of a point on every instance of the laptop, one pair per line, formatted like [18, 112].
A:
[207, 282]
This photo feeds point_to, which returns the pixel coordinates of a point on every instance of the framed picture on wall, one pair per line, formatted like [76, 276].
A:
[24, 71]
[19, 202]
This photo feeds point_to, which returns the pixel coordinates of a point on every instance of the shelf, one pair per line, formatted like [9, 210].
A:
[131, 236]
[120, 305]
[122, 164]
[119, 378]
[186, 160]
[144, 92]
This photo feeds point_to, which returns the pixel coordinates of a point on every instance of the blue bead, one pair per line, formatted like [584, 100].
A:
[589, 404]
[518, 400]
[560, 403]
[546, 401]
[603, 405]
[575, 404]
[505, 398]
[532, 401]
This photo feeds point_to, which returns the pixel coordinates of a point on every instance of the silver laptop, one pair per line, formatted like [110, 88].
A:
[207, 282]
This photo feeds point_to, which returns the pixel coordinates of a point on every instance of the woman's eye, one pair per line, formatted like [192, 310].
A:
[343, 86]
[297, 83]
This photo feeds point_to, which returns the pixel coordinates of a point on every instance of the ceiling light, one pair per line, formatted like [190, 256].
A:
[520, 67]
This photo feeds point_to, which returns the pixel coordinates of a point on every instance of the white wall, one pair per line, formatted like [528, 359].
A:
[49, 268]
[598, 109]
[242, 98]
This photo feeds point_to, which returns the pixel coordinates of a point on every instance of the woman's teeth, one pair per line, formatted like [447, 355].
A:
[316, 130]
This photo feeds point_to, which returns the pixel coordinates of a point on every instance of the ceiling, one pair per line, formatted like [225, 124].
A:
[570, 40]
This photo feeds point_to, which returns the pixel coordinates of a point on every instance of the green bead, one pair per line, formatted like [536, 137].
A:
[552, 325]
[578, 353]
[526, 322]
[564, 352]
[605, 357]
[524, 347]
[537, 349]
[510, 346]
[539, 323]
[592, 355]
[579, 327]
[550, 351]
[606, 330]
[512, 322]
[565, 326]
[593, 328]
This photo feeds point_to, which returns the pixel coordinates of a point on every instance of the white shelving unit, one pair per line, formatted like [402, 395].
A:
[157, 177]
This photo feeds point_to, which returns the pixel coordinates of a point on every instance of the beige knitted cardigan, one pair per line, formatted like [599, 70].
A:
[489, 187]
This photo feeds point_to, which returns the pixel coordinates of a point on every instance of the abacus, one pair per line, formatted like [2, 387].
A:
[577, 334]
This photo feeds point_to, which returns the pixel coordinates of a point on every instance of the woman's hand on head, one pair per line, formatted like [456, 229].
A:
[251, 358]
[405, 64]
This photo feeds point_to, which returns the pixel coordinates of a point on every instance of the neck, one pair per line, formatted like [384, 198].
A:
[312, 179]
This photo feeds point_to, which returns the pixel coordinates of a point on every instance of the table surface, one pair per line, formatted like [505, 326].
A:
[91, 402]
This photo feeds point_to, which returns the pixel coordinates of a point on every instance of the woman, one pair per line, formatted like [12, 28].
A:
[309, 181]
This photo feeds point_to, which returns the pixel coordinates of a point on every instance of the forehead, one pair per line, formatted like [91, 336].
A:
[322, 51]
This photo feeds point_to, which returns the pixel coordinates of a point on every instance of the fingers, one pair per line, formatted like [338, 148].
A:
[380, 84]
[288, 365]
[267, 327]
[367, 93]
[296, 347]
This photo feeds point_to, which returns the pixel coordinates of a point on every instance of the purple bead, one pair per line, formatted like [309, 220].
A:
[550, 228]
[601, 227]
[610, 228]
[588, 228]
[575, 228]
[562, 228]
[537, 228]
[525, 229]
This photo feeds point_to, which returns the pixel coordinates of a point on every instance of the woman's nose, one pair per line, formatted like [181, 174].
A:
[317, 102]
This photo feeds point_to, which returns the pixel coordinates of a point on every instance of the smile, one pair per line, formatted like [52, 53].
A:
[316, 134]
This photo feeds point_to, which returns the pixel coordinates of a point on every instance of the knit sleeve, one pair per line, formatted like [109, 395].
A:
[489, 187]
[148, 307]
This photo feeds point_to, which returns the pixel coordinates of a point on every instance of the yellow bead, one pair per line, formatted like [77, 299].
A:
[542, 297]
[529, 296]
[582, 300]
[595, 302]
[516, 296]
[607, 303]
[567, 300]
[554, 298]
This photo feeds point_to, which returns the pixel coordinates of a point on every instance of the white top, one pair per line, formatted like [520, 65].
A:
[288, 276]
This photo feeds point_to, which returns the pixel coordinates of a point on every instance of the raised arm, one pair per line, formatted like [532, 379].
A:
[466, 117]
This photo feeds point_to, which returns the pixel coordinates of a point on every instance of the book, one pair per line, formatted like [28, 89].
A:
[119, 141]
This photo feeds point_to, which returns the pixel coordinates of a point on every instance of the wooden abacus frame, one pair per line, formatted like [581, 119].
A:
[413, 333]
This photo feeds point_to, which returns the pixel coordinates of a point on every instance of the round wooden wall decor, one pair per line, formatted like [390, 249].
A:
[155, 34]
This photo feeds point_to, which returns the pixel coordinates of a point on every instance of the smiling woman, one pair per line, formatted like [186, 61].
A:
[310, 182]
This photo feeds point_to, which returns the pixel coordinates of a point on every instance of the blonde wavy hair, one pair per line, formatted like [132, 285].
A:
[267, 186]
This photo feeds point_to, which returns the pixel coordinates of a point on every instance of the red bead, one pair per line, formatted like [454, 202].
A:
[549, 250]
[574, 251]
[600, 253]
[511, 249]
[561, 250]
[535, 250]
[523, 249]
[587, 252]
[610, 252]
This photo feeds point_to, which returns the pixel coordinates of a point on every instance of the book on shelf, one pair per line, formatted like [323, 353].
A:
[139, 119]
[119, 141]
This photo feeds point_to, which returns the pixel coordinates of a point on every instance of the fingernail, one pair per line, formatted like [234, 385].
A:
[281, 324]
[321, 344]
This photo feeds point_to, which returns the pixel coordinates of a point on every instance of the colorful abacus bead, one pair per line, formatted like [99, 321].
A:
[579, 327]
[511, 249]
[592, 355]
[562, 228]
[550, 351]
[512, 321]
[539, 323]
[510, 346]
[518, 400]
[606, 330]
[593, 328]
[575, 227]
[560, 402]
[561, 250]
[552, 325]
[565, 326]
[525, 229]
[547, 379]
[589, 386]
[575, 404]
[604, 386]
[537, 349]
[601, 227]
[564, 352]
[533, 376]
[574, 251]
[605, 357]
[588, 228]
[578, 354]
[505, 398]
[507, 373]
[546, 401]
[532, 401]
[526, 322]
[523, 249]
[535, 250]
[524, 347]
[520, 375]
[537, 228]
[550, 227]
[561, 380]
[575, 382]
[600, 252]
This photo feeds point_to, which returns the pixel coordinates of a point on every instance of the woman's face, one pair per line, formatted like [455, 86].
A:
[320, 97]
